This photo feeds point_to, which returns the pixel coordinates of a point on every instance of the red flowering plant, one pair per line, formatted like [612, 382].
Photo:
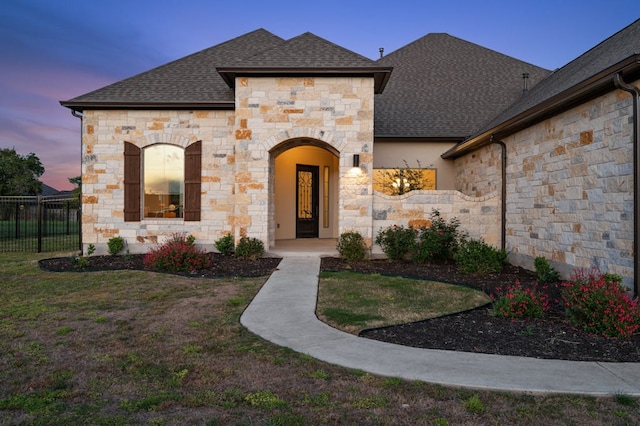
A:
[396, 241]
[178, 254]
[438, 242]
[600, 304]
[518, 301]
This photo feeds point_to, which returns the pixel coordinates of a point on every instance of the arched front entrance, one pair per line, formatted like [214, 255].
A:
[304, 190]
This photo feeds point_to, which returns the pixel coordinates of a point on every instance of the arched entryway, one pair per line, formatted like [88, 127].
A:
[304, 191]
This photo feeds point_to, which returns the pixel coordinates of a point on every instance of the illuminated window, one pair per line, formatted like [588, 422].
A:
[163, 181]
[401, 181]
[325, 197]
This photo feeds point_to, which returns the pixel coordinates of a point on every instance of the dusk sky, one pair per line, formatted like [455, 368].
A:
[57, 50]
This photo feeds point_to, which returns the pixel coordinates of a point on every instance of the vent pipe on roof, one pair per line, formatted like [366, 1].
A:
[381, 50]
[525, 82]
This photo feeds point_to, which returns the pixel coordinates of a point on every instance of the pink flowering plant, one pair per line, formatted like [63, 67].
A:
[599, 304]
[178, 254]
[520, 302]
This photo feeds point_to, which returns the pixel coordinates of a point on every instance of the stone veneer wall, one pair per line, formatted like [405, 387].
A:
[237, 158]
[334, 113]
[479, 173]
[570, 188]
[479, 216]
[104, 134]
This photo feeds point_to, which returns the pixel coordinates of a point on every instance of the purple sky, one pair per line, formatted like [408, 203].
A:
[56, 50]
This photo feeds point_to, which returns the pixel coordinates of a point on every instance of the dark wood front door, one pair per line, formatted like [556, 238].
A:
[307, 201]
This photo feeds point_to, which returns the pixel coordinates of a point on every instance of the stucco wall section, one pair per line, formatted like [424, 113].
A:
[570, 188]
[478, 216]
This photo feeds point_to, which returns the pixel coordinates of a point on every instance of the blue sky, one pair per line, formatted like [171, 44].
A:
[56, 50]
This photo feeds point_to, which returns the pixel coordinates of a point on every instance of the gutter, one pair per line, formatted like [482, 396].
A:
[79, 105]
[80, 116]
[503, 195]
[635, 94]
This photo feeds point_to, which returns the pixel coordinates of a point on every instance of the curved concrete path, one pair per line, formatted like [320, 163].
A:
[283, 312]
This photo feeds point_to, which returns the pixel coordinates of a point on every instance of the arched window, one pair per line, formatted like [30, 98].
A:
[163, 181]
[168, 178]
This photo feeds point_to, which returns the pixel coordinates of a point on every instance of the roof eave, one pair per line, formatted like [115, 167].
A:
[104, 105]
[380, 75]
[444, 139]
[597, 84]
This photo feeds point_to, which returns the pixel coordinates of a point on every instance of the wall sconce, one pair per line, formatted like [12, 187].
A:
[356, 160]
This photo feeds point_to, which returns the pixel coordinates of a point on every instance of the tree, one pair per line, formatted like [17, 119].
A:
[402, 180]
[77, 182]
[19, 174]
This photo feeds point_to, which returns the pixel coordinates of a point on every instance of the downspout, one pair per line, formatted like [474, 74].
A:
[635, 94]
[503, 197]
[80, 116]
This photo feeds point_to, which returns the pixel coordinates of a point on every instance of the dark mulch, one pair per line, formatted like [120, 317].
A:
[223, 266]
[552, 337]
[473, 331]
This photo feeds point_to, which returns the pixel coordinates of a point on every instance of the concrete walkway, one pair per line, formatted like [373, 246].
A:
[283, 312]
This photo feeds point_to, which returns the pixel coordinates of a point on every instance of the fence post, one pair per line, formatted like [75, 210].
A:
[79, 213]
[17, 220]
[40, 208]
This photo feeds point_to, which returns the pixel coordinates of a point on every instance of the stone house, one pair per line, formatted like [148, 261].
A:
[282, 139]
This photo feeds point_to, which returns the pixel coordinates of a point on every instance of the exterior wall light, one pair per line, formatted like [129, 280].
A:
[356, 160]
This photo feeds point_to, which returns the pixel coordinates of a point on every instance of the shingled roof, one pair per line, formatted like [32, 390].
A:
[191, 81]
[443, 87]
[206, 79]
[585, 77]
[307, 54]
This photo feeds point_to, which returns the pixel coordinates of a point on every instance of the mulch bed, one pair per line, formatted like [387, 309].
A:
[552, 337]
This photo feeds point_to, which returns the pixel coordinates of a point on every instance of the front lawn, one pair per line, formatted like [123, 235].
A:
[138, 347]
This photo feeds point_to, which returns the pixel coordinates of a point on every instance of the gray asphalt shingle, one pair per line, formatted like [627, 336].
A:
[442, 86]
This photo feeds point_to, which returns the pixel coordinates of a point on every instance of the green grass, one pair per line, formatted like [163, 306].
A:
[134, 347]
[353, 302]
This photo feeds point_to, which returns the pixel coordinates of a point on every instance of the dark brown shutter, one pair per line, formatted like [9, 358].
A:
[192, 173]
[131, 183]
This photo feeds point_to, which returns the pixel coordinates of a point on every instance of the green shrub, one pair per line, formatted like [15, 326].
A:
[438, 242]
[226, 245]
[478, 257]
[178, 254]
[396, 241]
[116, 245]
[520, 302]
[600, 305]
[545, 273]
[249, 248]
[351, 246]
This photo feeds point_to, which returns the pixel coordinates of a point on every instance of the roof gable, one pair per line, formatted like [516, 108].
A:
[445, 87]
[307, 54]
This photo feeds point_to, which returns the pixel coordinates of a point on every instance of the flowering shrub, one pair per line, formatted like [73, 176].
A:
[520, 302]
[396, 241]
[178, 254]
[599, 304]
[439, 241]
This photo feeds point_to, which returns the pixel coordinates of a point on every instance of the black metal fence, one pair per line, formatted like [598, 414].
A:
[40, 223]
